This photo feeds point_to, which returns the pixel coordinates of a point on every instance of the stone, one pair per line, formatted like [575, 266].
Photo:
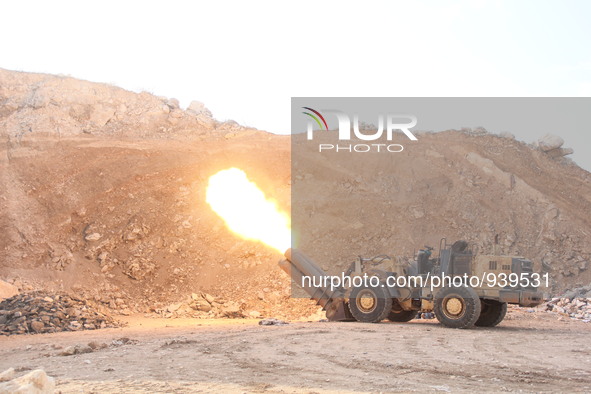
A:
[202, 305]
[209, 298]
[507, 135]
[97, 345]
[37, 326]
[43, 311]
[198, 108]
[35, 382]
[549, 142]
[272, 322]
[7, 375]
[560, 152]
[173, 307]
[7, 290]
[173, 103]
[68, 351]
[78, 349]
[231, 309]
[93, 237]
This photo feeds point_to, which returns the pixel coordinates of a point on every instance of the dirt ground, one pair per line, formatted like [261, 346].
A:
[528, 352]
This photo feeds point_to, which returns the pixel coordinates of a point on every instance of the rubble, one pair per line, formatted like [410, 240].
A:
[576, 308]
[204, 306]
[44, 312]
[575, 303]
[272, 322]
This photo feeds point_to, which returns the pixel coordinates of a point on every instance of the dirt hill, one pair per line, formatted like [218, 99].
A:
[102, 192]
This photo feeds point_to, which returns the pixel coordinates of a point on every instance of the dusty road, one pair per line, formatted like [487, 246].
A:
[527, 352]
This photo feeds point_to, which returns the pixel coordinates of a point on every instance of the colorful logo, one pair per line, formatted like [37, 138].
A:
[316, 117]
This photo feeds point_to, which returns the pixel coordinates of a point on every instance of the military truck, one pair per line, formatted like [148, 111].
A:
[462, 288]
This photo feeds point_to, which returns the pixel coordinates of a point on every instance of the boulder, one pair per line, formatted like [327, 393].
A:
[549, 142]
[7, 375]
[560, 152]
[198, 108]
[7, 290]
[35, 382]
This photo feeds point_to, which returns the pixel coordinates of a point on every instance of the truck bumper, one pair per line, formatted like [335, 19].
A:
[521, 297]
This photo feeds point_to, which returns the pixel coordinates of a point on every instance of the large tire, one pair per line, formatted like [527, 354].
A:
[399, 315]
[492, 313]
[370, 304]
[457, 307]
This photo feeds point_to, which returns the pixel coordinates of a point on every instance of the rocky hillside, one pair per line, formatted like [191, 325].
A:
[102, 192]
[489, 190]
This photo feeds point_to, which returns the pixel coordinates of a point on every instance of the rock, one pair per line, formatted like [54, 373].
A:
[255, 314]
[35, 382]
[209, 298]
[549, 142]
[202, 305]
[570, 295]
[68, 351]
[198, 108]
[172, 103]
[93, 237]
[42, 312]
[78, 349]
[272, 322]
[37, 326]
[7, 290]
[507, 135]
[7, 375]
[96, 345]
[232, 310]
[560, 152]
[173, 307]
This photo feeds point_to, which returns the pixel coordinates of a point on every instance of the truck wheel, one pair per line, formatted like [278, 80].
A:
[457, 307]
[492, 313]
[397, 314]
[370, 304]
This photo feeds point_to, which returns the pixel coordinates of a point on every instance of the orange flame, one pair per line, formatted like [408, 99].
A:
[246, 210]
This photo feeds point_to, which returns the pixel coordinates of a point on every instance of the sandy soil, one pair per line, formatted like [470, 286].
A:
[527, 352]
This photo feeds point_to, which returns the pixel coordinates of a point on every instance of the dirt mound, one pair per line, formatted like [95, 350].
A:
[42, 312]
[102, 192]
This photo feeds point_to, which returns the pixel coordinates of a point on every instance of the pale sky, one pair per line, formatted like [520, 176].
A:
[246, 59]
